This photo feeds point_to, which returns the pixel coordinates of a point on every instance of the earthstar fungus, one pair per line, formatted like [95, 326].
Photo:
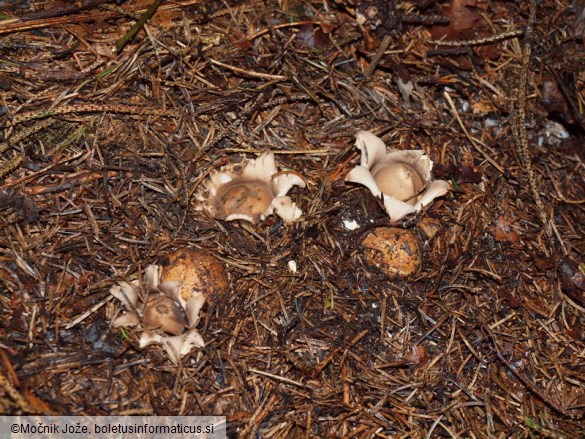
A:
[251, 191]
[401, 178]
[174, 293]
[164, 313]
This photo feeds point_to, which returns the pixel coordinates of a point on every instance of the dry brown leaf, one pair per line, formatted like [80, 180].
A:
[464, 22]
[503, 232]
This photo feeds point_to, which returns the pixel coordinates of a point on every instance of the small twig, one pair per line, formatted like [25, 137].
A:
[518, 115]
[278, 26]
[480, 41]
[19, 25]
[87, 313]
[248, 72]
[83, 177]
[339, 169]
[88, 108]
[138, 25]
[60, 11]
[279, 378]
[379, 54]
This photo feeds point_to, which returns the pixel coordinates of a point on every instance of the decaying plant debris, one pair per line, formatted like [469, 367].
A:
[103, 152]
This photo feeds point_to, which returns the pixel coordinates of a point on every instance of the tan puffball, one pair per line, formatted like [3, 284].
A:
[164, 313]
[394, 251]
[197, 271]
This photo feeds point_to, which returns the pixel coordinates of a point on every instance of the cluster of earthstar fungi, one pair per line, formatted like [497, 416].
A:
[166, 304]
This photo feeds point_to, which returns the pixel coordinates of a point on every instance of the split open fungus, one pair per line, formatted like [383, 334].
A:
[401, 178]
[251, 191]
[166, 306]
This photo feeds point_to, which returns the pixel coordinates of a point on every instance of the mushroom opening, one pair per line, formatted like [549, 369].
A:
[164, 313]
[399, 180]
[244, 197]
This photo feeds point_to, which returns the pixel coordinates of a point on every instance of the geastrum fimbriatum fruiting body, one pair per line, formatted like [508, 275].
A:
[251, 191]
[166, 305]
[401, 178]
